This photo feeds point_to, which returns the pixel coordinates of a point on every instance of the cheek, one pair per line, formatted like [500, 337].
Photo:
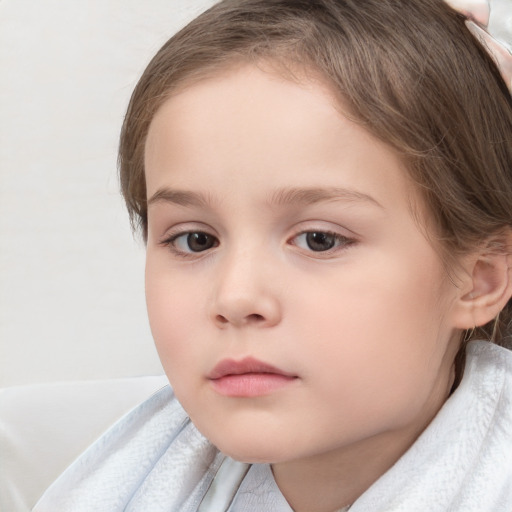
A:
[376, 331]
[369, 302]
[172, 311]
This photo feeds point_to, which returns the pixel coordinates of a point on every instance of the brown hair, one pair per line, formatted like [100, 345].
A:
[409, 70]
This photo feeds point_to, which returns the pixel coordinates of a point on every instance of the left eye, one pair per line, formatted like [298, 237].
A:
[320, 241]
[193, 242]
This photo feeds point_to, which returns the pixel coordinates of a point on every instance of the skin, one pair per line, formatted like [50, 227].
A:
[368, 329]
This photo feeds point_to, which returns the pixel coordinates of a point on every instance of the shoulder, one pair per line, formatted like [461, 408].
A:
[462, 462]
[154, 441]
[489, 368]
[485, 394]
[490, 351]
[486, 389]
[44, 427]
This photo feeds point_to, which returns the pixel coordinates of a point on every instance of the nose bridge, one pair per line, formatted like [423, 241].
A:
[245, 292]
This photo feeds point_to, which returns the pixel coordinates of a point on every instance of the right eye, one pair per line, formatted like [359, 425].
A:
[191, 242]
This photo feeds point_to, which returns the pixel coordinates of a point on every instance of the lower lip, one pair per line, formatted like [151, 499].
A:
[250, 385]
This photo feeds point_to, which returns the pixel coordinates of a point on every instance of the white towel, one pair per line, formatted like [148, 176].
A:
[155, 460]
[463, 461]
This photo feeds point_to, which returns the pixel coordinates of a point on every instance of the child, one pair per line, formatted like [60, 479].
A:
[325, 191]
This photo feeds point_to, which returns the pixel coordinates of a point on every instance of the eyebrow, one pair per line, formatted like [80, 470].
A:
[179, 197]
[281, 197]
[307, 196]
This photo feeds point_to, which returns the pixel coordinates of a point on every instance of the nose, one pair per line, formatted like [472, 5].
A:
[245, 294]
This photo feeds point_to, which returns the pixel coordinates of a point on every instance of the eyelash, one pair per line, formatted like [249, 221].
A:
[341, 242]
[170, 243]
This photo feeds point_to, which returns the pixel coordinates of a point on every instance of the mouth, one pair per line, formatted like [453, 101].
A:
[248, 378]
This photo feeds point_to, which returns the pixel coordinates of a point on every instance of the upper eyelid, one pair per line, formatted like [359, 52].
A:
[350, 240]
[326, 231]
[304, 226]
[171, 237]
[204, 228]
[185, 228]
[314, 227]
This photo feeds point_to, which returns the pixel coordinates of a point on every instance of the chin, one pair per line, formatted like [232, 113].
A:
[252, 451]
[249, 456]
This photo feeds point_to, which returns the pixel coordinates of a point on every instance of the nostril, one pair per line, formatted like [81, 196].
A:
[255, 318]
[221, 319]
[249, 319]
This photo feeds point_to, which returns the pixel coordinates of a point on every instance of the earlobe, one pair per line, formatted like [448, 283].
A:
[489, 280]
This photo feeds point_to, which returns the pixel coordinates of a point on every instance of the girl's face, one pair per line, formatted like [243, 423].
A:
[298, 309]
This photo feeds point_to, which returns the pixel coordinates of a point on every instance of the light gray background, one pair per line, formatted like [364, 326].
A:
[71, 276]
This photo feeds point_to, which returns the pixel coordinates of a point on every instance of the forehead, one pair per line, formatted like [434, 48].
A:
[248, 125]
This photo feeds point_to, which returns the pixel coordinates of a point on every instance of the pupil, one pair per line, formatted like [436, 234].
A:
[198, 242]
[320, 241]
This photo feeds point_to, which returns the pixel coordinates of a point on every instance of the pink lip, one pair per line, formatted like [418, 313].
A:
[248, 378]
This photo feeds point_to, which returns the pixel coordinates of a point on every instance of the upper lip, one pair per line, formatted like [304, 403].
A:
[243, 366]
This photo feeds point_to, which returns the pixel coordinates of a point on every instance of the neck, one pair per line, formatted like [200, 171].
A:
[330, 482]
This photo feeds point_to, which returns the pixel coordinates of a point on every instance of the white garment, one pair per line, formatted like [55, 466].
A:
[155, 460]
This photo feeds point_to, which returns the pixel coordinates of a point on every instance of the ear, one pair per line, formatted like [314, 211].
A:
[486, 287]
